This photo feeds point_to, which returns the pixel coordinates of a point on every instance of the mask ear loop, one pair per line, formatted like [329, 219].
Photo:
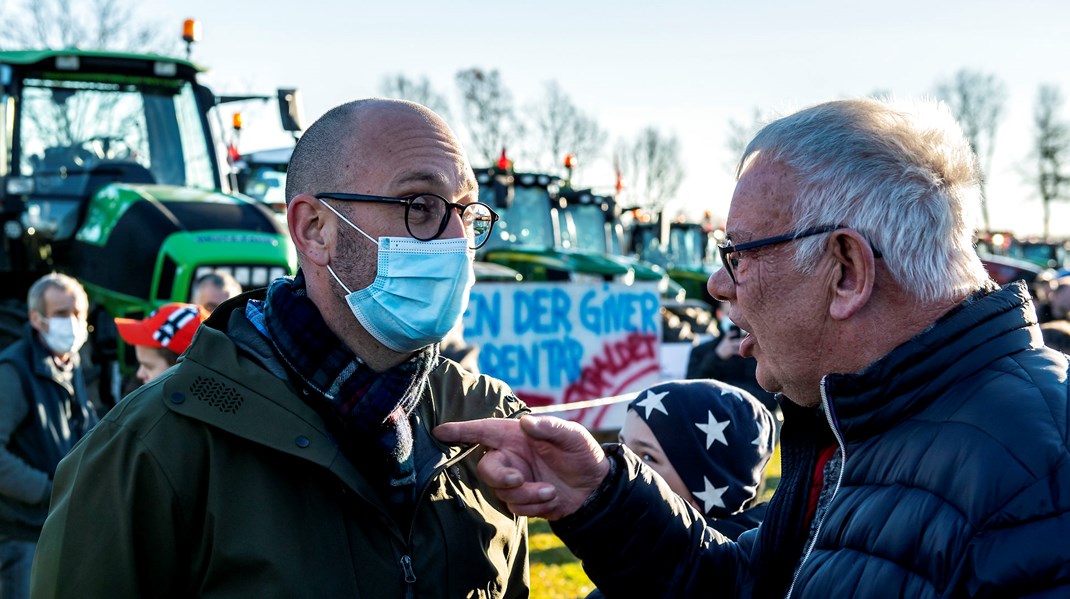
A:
[347, 221]
[331, 270]
[359, 230]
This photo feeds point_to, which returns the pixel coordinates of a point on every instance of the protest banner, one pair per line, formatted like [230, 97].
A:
[561, 343]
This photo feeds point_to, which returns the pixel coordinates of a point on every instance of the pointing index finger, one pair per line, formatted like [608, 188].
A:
[489, 432]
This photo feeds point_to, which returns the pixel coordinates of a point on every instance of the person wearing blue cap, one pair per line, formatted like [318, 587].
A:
[710, 441]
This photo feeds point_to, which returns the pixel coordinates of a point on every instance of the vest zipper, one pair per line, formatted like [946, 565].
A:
[406, 567]
[826, 405]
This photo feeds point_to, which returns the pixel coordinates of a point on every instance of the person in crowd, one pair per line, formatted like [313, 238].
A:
[214, 288]
[289, 454]
[924, 446]
[44, 411]
[1059, 298]
[1056, 334]
[160, 338]
[710, 442]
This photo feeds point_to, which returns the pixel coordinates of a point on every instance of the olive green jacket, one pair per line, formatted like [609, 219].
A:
[217, 480]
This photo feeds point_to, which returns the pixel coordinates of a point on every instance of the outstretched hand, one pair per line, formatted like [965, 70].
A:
[539, 465]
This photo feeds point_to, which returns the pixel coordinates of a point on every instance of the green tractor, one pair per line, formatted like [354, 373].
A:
[686, 250]
[532, 236]
[591, 222]
[111, 171]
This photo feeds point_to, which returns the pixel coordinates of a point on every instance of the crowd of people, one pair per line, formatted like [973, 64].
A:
[309, 439]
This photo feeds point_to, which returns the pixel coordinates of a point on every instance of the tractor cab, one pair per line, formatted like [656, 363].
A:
[533, 235]
[592, 223]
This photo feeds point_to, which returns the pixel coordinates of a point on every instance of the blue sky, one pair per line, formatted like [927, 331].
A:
[685, 67]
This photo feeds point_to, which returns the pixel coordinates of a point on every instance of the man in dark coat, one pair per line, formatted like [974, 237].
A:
[924, 446]
[44, 411]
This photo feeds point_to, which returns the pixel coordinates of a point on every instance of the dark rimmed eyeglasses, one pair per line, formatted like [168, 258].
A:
[427, 215]
[730, 251]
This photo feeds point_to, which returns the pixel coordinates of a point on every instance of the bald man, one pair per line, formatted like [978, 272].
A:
[288, 453]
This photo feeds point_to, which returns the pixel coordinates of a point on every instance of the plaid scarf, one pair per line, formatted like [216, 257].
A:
[370, 409]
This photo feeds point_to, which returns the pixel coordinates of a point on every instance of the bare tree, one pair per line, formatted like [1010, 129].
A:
[1051, 149]
[415, 90]
[651, 167]
[488, 111]
[93, 25]
[560, 128]
[976, 100]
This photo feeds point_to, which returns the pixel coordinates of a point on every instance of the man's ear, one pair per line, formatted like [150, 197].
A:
[310, 230]
[38, 322]
[856, 270]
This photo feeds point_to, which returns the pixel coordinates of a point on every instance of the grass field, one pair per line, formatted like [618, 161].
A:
[557, 574]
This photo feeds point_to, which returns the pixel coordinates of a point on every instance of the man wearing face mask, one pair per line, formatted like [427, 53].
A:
[288, 452]
[43, 412]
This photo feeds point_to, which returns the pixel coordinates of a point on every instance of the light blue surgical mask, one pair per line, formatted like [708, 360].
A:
[419, 292]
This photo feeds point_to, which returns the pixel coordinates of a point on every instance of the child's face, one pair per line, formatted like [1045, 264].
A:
[151, 363]
[640, 439]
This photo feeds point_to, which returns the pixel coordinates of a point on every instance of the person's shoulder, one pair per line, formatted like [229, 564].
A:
[461, 395]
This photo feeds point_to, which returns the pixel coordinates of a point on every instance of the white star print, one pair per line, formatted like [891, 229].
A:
[758, 440]
[714, 430]
[710, 496]
[652, 402]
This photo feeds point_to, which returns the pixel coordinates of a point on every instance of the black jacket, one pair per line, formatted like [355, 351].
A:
[57, 416]
[955, 482]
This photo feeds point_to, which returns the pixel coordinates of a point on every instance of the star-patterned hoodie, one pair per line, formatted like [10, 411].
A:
[719, 439]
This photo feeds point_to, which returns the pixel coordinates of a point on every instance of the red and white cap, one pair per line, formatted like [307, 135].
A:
[171, 326]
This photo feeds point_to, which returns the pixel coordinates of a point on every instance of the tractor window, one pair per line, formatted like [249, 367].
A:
[616, 232]
[687, 246]
[70, 127]
[6, 108]
[526, 223]
[194, 148]
[590, 225]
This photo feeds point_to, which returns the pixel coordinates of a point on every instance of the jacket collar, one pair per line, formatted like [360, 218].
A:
[984, 328]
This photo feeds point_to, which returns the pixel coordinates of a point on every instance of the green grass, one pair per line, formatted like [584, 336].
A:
[557, 574]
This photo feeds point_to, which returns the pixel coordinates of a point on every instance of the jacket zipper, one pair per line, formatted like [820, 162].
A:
[827, 407]
[406, 560]
[410, 576]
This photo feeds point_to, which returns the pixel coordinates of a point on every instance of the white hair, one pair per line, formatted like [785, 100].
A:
[35, 298]
[901, 174]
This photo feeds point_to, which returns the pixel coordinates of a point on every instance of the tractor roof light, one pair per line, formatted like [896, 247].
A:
[236, 121]
[570, 161]
[191, 31]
